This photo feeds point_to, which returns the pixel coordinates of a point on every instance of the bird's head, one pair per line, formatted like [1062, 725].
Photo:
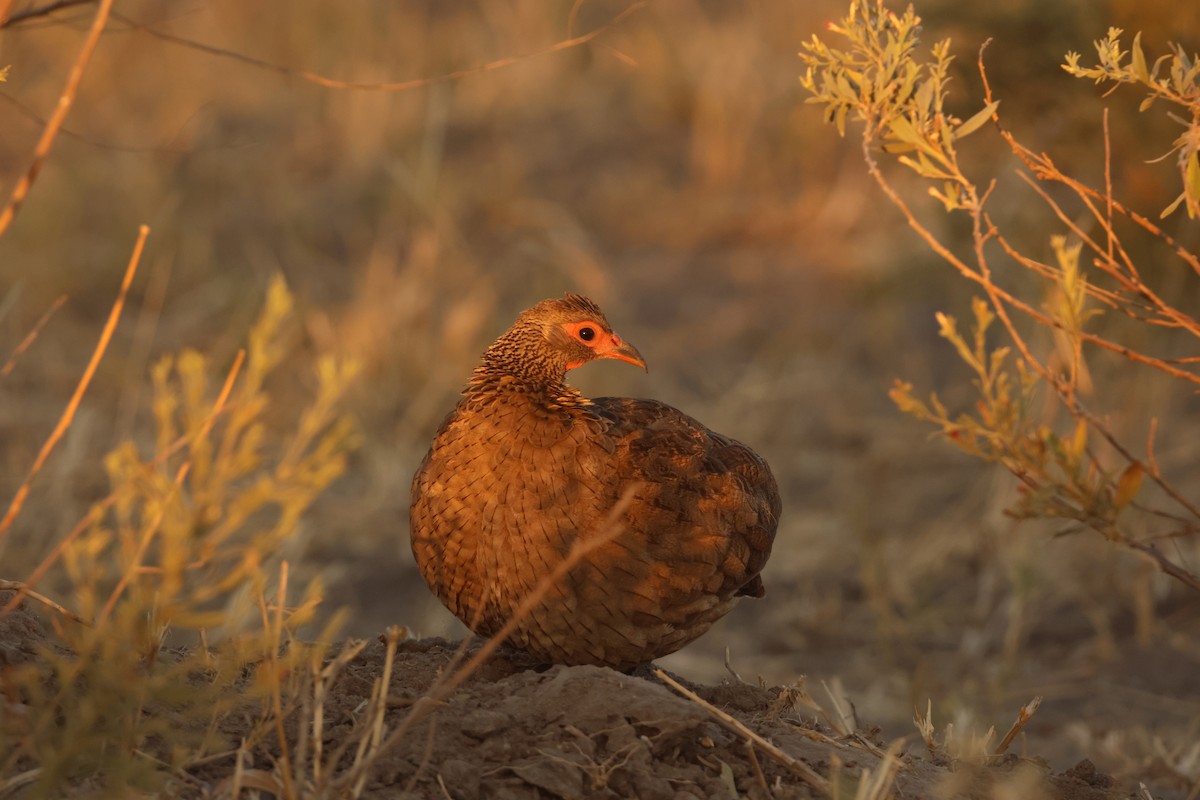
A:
[554, 336]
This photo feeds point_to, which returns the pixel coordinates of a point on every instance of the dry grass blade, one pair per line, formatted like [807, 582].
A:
[758, 772]
[926, 729]
[50, 132]
[369, 745]
[1026, 714]
[19, 780]
[845, 721]
[877, 783]
[68, 414]
[25, 591]
[325, 679]
[793, 765]
[30, 337]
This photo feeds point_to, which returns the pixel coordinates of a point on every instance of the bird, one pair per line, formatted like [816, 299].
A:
[525, 466]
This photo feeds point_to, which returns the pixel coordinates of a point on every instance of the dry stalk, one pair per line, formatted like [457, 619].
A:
[801, 694]
[321, 687]
[758, 771]
[1023, 716]
[846, 722]
[68, 414]
[877, 783]
[793, 765]
[30, 337]
[369, 745]
[729, 668]
[25, 591]
[50, 132]
[276, 689]
[927, 730]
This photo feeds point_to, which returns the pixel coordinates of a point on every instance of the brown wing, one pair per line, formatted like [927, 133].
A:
[710, 507]
[507, 489]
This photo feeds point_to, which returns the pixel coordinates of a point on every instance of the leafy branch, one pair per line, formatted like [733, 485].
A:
[1178, 84]
[878, 79]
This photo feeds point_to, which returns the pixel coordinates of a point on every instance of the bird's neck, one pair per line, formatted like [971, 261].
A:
[493, 380]
[520, 362]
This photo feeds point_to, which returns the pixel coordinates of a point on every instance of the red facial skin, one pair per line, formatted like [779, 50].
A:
[603, 344]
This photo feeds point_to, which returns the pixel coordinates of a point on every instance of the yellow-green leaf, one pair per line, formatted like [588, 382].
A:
[1139, 60]
[1174, 205]
[1192, 181]
[1078, 441]
[1128, 485]
[902, 130]
[976, 122]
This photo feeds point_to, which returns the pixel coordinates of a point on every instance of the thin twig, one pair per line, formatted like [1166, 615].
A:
[1165, 564]
[30, 337]
[35, 12]
[396, 86]
[68, 414]
[794, 765]
[65, 100]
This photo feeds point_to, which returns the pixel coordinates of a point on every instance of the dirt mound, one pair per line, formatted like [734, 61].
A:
[514, 730]
[517, 731]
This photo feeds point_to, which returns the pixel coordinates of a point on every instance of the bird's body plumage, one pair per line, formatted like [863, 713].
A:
[525, 465]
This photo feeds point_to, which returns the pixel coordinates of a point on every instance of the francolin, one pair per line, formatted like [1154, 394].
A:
[525, 465]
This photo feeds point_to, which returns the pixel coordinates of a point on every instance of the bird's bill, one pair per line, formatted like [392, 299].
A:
[624, 351]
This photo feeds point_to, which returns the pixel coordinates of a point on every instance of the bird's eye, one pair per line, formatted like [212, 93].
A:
[587, 334]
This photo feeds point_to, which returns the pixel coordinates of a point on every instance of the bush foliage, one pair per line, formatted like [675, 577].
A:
[880, 79]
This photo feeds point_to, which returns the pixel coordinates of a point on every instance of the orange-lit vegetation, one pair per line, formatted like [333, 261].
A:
[346, 202]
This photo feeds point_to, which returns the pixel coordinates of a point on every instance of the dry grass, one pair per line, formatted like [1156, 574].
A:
[665, 166]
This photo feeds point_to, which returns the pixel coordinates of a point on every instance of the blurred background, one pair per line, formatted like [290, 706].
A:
[671, 170]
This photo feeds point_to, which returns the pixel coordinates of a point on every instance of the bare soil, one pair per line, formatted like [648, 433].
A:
[516, 729]
[520, 730]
